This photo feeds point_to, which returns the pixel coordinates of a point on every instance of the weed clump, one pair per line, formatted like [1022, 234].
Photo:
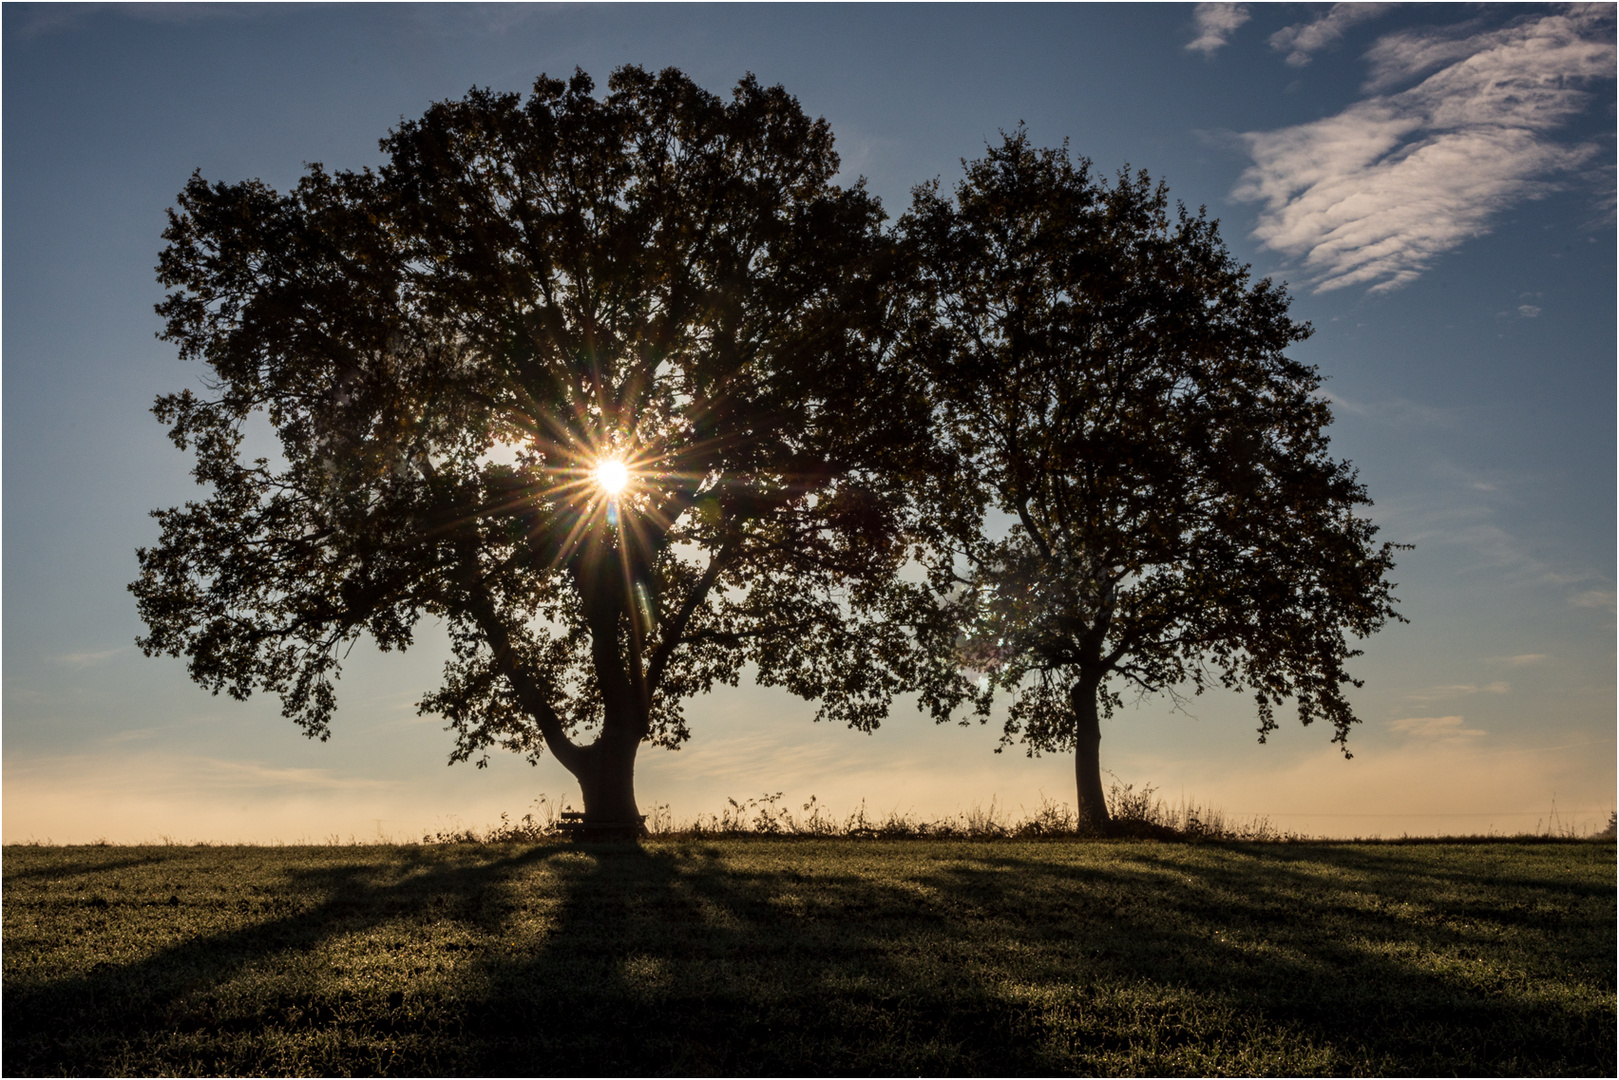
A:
[544, 822]
[1142, 813]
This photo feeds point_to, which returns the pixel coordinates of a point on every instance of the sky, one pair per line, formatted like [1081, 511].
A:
[1434, 183]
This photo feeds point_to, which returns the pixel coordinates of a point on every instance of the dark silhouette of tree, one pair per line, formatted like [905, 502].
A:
[607, 385]
[1112, 384]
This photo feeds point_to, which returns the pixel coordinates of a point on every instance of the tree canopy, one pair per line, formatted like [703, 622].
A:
[1141, 494]
[606, 384]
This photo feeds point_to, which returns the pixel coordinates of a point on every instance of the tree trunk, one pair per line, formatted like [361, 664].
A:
[606, 775]
[1088, 755]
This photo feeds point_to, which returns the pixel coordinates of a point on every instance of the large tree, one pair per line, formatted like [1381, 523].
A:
[1141, 494]
[606, 384]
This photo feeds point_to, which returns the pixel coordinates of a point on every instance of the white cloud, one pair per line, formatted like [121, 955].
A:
[1528, 311]
[1434, 727]
[1215, 25]
[1521, 660]
[1594, 598]
[1302, 39]
[1374, 195]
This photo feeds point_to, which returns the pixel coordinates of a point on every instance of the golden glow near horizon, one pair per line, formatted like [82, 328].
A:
[612, 476]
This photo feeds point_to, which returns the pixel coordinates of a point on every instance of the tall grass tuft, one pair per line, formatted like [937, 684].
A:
[544, 822]
[1143, 813]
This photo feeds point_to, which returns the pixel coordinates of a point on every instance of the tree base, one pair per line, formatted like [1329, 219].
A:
[575, 827]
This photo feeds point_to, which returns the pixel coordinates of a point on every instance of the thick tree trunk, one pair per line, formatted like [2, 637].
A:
[606, 774]
[606, 768]
[1088, 756]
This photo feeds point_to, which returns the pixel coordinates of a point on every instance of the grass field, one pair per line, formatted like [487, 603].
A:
[812, 956]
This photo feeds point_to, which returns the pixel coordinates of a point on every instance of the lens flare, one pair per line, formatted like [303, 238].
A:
[612, 476]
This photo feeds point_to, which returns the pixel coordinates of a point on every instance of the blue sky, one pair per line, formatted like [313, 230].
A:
[1435, 182]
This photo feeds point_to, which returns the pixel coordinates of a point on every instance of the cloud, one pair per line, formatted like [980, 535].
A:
[38, 20]
[1602, 180]
[475, 20]
[1453, 521]
[1374, 195]
[1434, 728]
[87, 658]
[1302, 39]
[1215, 25]
[1486, 548]
[29, 21]
[1439, 693]
[1396, 412]
[1521, 660]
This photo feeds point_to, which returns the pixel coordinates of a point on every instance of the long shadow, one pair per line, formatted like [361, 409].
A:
[696, 958]
[79, 867]
[69, 1024]
[676, 961]
[1390, 972]
[686, 961]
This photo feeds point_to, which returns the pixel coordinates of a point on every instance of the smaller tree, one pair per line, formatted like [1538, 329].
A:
[1111, 381]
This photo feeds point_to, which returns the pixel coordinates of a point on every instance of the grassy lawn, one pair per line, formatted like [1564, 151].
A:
[811, 956]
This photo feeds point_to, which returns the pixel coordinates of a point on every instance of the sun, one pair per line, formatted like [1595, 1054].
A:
[611, 476]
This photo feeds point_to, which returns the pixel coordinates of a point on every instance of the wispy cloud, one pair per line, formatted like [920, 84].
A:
[1302, 39]
[1434, 728]
[1374, 195]
[1602, 181]
[1594, 598]
[1396, 412]
[37, 20]
[1454, 517]
[88, 658]
[1528, 311]
[1484, 547]
[1440, 693]
[197, 773]
[1215, 24]
[1521, 660]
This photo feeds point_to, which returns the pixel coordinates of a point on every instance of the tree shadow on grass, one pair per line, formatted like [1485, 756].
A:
[58, 869]
[738, 958]
[680, 961]
[115, 1017]
[1366, 962]
[696, 959]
